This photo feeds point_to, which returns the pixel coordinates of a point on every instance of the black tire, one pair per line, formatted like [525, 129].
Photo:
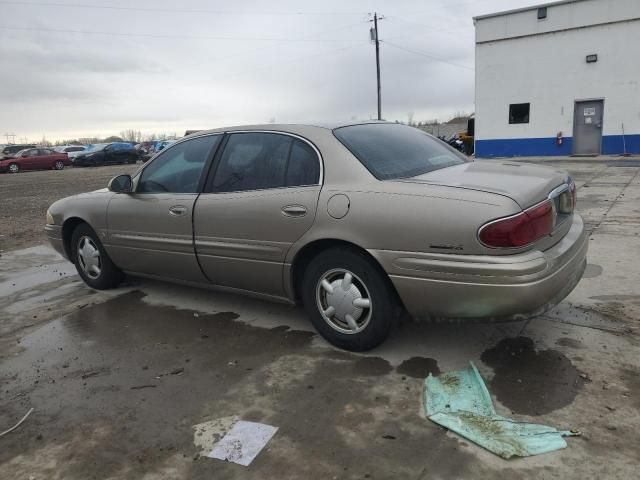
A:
[109, 275]
[378, 319]
[13, 168]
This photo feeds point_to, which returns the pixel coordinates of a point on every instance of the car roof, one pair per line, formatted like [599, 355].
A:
[287, 126]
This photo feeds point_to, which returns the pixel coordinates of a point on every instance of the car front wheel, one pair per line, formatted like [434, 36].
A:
[349, 299]
[92, 261]
[59, 165]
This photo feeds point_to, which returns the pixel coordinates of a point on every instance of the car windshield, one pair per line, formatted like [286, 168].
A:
[97, 147]
[390, 151]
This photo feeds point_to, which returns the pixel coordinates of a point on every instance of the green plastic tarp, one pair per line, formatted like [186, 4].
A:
[460, 401]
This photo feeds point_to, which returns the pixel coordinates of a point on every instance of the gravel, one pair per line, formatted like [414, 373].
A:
[25, 197]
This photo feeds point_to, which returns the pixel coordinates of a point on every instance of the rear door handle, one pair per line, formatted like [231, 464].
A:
[177, 210]
[294, 211]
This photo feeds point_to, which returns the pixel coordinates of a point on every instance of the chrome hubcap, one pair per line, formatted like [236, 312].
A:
[89, 257]
[344, 301]
[13, 168]
[59, 165]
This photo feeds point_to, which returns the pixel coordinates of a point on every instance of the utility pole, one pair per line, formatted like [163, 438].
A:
[374, 36]
[12, 135]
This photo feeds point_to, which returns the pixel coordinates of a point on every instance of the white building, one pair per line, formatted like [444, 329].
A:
[559, 79]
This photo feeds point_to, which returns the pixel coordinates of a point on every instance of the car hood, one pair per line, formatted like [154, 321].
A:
[525, 183]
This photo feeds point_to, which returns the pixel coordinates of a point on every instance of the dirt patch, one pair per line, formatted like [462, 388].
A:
[530, 381]
[631, 379]
[419, 367]
[372, 366]
[569, 342]
[29, 194]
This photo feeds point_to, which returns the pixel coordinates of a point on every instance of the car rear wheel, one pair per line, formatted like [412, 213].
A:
[59, 165]
[92, 261]
[14, 168]
[349, 300]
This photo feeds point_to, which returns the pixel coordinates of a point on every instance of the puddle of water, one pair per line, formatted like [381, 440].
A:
[419, 367]
[592, 271]
[530, 381]
[126, 380]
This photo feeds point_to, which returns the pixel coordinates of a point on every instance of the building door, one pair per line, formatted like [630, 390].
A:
[587, 127]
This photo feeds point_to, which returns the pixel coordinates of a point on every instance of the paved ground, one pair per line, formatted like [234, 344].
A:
[79, 358]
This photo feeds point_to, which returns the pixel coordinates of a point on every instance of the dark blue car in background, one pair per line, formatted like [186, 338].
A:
[106, 154]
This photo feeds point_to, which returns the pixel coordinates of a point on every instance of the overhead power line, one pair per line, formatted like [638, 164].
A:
[189, 37]
[452, 31]
[173, 10]
[428, 55]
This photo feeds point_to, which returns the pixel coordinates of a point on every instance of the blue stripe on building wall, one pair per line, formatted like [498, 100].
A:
[548, 147]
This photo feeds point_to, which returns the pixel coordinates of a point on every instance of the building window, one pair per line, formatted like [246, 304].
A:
[519, 113]
[542, 13]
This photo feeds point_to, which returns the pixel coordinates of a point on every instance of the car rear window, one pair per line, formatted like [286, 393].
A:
[391, 151]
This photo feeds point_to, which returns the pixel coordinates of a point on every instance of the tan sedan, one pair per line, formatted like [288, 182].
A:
[356, 222]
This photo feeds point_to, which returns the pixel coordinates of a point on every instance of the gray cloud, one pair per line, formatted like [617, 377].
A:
[182, 69]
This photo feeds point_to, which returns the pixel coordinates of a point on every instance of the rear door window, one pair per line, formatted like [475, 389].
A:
[253, 161]
[262, 160]
[304, 165]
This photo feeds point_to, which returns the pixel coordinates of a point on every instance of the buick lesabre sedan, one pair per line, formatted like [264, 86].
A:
[355, 222]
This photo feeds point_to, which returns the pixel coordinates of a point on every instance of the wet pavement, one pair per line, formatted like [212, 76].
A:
[119, 379]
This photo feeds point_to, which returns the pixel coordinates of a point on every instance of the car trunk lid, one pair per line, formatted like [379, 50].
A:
[525, 183]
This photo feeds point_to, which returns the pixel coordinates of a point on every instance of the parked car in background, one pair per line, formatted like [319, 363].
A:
[72, 151]
[106, 154]
[356, 222]
[156, 147]
[12, 149]
[161, 145]
[35, 159]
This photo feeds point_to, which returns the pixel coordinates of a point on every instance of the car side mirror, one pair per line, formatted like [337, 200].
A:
[121, 184]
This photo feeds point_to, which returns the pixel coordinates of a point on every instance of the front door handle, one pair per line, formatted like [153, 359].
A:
[177, 210]
[294, 211]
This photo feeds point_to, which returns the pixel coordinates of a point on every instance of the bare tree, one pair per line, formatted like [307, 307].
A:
[131, 135]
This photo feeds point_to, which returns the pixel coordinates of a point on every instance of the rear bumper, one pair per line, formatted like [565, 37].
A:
[54, 234]
[509, 287]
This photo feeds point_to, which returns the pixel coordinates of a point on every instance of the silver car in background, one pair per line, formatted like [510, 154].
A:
[357, 222]
[72, 151]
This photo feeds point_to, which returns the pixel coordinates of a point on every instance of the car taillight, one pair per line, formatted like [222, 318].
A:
[519, 230]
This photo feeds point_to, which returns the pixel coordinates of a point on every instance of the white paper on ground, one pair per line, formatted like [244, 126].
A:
[243, 442]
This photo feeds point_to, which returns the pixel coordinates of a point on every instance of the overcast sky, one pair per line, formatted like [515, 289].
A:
[73, 68]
